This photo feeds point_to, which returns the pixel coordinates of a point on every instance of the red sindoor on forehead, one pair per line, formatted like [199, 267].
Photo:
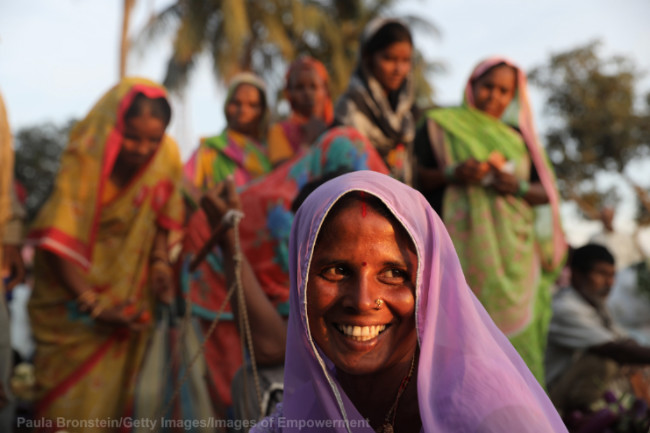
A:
[364, 209]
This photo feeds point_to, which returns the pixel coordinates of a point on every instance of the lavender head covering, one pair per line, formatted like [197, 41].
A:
[470, 378]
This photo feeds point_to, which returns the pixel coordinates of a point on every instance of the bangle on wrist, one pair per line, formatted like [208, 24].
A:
[523, 188]
[450, 173]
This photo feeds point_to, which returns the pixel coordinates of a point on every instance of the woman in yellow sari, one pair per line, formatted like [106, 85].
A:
[102, 259]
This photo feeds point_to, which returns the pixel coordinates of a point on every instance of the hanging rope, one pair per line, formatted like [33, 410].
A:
[244, 325]
[199, 352]
[230, 219]
[244, 321]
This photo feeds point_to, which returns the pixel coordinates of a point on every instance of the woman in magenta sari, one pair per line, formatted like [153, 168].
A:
[384, 334]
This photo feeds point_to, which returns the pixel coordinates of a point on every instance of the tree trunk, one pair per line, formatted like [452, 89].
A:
[125, 41]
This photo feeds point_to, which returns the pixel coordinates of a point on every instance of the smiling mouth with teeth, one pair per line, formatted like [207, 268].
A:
[361, 333]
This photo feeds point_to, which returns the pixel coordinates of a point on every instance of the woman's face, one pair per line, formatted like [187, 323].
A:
[244, 110]
[494, 91]
[361, 257]
[391, 65]
[307, 93]
[141, 138]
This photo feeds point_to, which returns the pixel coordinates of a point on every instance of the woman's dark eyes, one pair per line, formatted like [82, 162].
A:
[334, 273]
[387, 276]
[394, 276]
[396, 60]
[502, 90]
[240, 104]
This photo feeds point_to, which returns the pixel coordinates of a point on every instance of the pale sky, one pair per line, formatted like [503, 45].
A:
[57, 57]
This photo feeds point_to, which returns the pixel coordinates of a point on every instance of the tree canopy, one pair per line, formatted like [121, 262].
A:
[263, 36]
[599, 122]
[38, 150]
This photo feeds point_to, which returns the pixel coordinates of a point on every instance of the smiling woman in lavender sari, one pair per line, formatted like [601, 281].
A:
[384, 334]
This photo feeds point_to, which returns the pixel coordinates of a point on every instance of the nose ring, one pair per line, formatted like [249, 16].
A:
[379, 302]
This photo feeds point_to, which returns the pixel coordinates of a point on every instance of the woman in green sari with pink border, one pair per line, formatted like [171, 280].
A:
[484, 171]
[239, 151]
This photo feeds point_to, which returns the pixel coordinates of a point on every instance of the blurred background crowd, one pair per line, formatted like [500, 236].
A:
[579, 71]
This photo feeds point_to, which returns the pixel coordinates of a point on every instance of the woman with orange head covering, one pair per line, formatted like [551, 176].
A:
[307, 90]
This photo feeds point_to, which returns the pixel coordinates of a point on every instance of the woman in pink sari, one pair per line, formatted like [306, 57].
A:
[384, 334]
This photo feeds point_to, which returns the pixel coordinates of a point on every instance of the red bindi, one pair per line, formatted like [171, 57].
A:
[363, 263]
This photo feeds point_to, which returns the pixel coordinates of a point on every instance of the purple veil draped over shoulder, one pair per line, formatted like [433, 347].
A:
[470, 378]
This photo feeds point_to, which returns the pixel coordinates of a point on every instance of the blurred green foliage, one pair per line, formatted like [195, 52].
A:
[38, 149]
[265, 36]
[599, 121]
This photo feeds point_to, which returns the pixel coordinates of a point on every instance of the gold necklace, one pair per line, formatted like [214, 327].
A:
[389, 421]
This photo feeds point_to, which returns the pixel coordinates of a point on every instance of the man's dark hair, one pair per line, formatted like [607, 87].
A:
[584, 258]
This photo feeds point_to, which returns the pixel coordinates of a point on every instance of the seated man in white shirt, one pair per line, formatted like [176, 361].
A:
[586, 351]
[628, 305]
